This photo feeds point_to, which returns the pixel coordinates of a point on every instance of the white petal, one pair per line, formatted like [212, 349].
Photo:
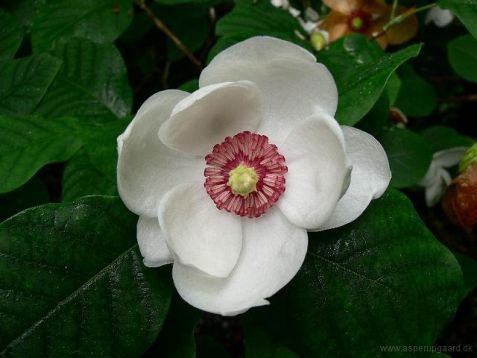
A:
[199, 234]
[440, 17]
[272, 253]
[369, 178]
[147, 169]
[448, 157]
[437, 188]
[152, 243]
[210, 114]
[317, 171]
[292, 84]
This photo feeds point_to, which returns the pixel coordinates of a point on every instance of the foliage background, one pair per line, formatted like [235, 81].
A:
[72, 283]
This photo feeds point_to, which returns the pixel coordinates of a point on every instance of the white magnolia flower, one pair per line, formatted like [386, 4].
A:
[227, 180]
[437, 178]
[440, 17]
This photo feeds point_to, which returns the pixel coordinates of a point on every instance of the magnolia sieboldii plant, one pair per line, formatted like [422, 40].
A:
[228, 180]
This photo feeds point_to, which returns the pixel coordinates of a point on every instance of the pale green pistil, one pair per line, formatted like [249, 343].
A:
[243, 180]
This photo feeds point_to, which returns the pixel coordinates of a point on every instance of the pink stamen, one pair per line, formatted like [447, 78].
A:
[254, 151]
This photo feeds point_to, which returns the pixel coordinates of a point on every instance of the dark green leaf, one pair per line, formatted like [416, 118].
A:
[27, 144]
[417, 97]
[178, 2]
[81, 178]
[361, 72]
[92, 82]
[177, 339]
[253, 18]
[260, 344]
[440, 137]
[462, 53]
[24, 82]
[469, 269]
[11, 35]
[465, 10]
[409, 156]
[208, 346]
[99, 21]
[24, 10]
[190, 86]
[73, 283]
[383, 280]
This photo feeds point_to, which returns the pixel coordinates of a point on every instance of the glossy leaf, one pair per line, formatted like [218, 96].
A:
[465, 10]
[440, 137]
[24, 82]
[92, 83]
[73, 282]
[27, 144]
[417, 97]
[462, 53]
[177, 338]
[409, 156]
[256, 18]
[382, 281]
[59, 21]
[361, 72]
[11, 35]
[81, 177]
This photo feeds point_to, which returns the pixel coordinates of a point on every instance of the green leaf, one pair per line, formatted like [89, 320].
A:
[177, 339]
[256, 18]
[31, 194]
[11, 35]
[465, 10]
[469, 269]
[417, 97]
[24, 10]
[59, 21]
[409, 156]
[179, 2]
[93, 170]
[440, 137]
[92, 82]
[27, 144]
[81, 177]
[382, 280]
[361, 72]
[462, 53]
[24, 82]
[260, 344]
[73, 282]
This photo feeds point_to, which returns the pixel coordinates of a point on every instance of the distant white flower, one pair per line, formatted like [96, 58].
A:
[440, 17]
[227, 180]
[437, 178]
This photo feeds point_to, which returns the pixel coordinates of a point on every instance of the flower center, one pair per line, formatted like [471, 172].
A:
[243, 180]
[359, 20]
[245, 174]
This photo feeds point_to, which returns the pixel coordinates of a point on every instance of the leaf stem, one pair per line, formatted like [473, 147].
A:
[163, 28]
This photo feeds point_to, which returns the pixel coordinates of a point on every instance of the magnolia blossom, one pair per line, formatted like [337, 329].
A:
[440, 17]
[227, 180]
[437, 178]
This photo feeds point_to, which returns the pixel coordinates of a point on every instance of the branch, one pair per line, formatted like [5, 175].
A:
[162, 27]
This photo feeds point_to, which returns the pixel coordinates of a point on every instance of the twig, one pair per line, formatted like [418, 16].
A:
[162, 27]
[465, 98]
[401, 18]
